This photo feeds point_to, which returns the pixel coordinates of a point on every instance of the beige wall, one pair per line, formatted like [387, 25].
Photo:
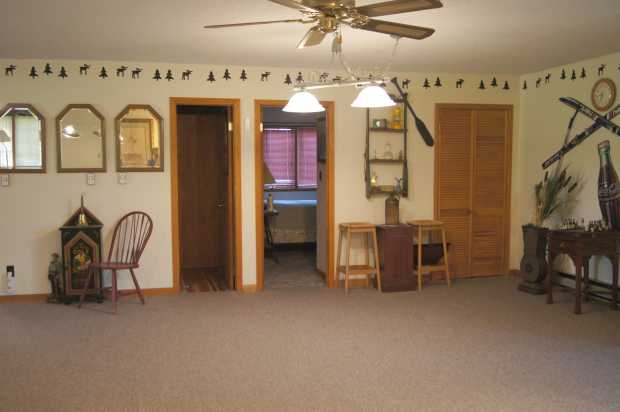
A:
[34, 206]
[543, 123]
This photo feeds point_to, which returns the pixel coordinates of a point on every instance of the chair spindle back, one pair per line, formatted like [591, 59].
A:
[131, 235]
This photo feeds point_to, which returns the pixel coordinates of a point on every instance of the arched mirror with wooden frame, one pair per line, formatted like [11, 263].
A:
[139, 141]
[80, 139]
[22, 139]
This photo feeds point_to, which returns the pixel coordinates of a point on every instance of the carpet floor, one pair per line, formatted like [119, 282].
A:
[296, 268]
[478, 346]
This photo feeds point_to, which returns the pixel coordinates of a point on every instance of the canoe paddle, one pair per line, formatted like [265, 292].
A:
[419, 124]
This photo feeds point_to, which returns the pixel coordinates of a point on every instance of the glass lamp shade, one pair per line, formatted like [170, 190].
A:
[373, 96]
[303, 102]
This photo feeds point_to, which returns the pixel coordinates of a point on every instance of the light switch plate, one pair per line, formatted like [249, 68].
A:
[122, 178]
[90, 179]
[4, 180]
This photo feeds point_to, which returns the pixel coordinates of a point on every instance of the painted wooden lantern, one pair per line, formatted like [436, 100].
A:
[81, 245]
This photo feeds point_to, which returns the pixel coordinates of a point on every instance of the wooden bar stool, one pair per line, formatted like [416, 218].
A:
[347, 230]
[430, 226]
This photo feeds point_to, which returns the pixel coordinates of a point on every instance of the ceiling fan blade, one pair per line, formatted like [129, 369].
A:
[314, 37]
[295, 5]
[253, 23]
[397, 29]
[398, 6]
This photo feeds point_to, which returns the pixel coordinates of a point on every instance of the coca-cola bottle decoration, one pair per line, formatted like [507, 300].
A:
[608, 188]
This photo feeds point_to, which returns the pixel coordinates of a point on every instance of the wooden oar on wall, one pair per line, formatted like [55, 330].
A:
[419, 124]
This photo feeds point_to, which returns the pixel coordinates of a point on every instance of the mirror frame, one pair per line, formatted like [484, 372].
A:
[43, 168]
[59, 167]
[159, 119]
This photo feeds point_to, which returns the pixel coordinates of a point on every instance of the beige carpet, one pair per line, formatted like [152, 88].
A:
[479, 346]
[296, 268]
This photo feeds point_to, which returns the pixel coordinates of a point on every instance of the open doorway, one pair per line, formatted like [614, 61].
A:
[205, 182]
[294, 197]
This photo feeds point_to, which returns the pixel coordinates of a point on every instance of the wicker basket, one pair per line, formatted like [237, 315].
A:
[392, 210]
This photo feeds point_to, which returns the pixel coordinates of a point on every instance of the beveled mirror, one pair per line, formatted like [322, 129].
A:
[80, 137]
[139, 142]
[22, 139]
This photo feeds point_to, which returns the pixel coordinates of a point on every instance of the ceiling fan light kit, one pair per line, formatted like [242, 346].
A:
[328, 16]
[373, 96]
[303, 102]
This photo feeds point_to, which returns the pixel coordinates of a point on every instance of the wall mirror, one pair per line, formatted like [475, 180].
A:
[139, 142]
[80, 135]
[22, 139]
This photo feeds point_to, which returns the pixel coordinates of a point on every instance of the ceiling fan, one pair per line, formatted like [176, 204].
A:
[328, 15]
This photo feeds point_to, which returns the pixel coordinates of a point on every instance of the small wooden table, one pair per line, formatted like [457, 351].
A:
[581, 246]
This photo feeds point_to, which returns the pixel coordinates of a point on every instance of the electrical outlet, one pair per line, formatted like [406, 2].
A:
[4, 180]
[90, 179]
[11, 281]
[122, 178]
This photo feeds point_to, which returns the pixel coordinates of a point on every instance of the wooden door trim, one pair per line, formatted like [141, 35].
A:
[507, 180]
[259, 192]
[235, 240]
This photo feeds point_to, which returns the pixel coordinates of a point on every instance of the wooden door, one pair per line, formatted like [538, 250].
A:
[203, 157]
[453, 183]
[473, 185]
[490, 192]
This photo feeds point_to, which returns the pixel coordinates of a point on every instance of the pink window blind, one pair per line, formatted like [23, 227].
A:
[306, 158]
[291, 155]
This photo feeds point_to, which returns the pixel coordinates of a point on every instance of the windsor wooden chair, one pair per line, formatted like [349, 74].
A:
[129, 240]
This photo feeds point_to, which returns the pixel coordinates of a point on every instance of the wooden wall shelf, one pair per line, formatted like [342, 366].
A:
[377, 162]
[386, 130]
[393, 161]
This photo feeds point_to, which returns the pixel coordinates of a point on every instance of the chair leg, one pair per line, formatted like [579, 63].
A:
[367, 257]
[347, 262]
[85, 290]
[337, 280]
[445, 256]
[377, 262]
[135, 282]
[114, 291]
[419, 258]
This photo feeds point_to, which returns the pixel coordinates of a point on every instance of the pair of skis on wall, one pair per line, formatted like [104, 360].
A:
[600, 121]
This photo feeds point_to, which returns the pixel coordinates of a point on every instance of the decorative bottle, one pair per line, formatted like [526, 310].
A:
[608, 188]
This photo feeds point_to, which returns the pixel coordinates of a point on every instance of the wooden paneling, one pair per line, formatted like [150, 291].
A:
[473, 185]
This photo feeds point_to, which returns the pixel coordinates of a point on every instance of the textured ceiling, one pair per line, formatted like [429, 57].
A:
[509, 36]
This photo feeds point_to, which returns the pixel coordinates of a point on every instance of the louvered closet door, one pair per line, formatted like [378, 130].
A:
[453, 183]
[472, 185]
[490, 192]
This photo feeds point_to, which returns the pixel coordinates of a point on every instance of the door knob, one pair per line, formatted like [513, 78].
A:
[220, 205]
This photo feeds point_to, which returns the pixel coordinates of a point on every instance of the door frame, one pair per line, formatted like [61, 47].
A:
[235, 241]
[508, 178]
[259, 189]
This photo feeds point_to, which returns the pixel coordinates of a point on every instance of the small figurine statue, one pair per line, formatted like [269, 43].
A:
[55, 276]
[373, 180]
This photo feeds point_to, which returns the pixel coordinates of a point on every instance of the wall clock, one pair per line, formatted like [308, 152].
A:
[603, 94]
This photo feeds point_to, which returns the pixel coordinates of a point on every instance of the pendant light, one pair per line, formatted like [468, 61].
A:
[303, 102]
[373, 96]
